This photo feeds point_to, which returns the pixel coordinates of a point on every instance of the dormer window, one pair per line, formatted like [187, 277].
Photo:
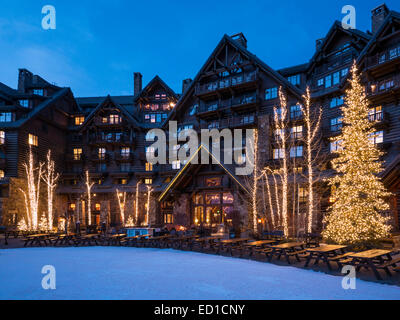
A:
[115, 119]
[39, 92]
[294, 80]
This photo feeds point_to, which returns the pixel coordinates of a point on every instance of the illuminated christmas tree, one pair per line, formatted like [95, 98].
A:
[360, 196]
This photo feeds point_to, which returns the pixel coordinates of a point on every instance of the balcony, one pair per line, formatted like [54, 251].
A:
[97, 157]
[226, 83]
[236, 103]
[383, 88]
[127, 157]
[380, 118]
[237, 122]
[108, 122]
[383, 60]
[111, 138]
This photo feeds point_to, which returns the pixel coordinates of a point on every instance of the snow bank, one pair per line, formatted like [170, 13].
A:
[132, 273]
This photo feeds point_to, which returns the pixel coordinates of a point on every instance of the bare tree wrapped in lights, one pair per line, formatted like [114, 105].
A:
[89, 185]
[312, 119]
[149, 191]
[33, 178]
[50, 177]
[121, 196]
[360, 196]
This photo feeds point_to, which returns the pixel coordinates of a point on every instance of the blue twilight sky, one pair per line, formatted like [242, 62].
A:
[99, 44]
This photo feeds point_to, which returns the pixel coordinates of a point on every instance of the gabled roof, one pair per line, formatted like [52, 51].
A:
[336, 27]
[156, 80]
[105, 101]
[388, 20]
[227, 39]
[45, 104]
[294, 69]
[189, 164]
[7, 90]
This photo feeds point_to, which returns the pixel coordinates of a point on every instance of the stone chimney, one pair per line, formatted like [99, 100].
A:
[379, 15]
[185, 84]
[240, 38]
[25, 78]
[137, 83]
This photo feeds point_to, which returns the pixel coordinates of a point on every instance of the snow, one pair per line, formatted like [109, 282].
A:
[134, 273]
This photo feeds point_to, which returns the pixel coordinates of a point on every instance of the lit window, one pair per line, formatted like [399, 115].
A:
[38, 92]
[148, 181]
[2, 137]
[24, 103]
[33, 140]
[149, 166]
[176, 164]
[320, 82]
[295, 80]
[6, 117]
[278, 154]
[298, 170]
[123, 181]
[344, 72]
[98, 207]
[336, 146]
[328, 81]
[337, 101]
[115, 119]
[295, 112]
[302, 194]
[79, 120]
[125, 152]
[77, 154]
[271, 93]
[296, 132]
[336, 78]
[2, 174]
[102, 153]
[376, 137]
[72, 206]
[336, 124]
[296, 152]
[375, 114]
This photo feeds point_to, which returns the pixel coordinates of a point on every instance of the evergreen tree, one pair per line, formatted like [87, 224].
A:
[360, 196]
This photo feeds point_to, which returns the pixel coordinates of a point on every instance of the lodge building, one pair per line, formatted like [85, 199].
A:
[106, 136]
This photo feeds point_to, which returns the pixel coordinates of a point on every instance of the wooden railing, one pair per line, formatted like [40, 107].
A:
[234, 102]
[382, 86]
[383, 56]
[231, 122]
[226, 82]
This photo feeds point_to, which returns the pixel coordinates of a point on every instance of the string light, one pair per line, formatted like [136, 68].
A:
[137, 203]
[89, 187]
[50, 178]
[360, 196]
[149, 190]
[313, 126]
[121, 204]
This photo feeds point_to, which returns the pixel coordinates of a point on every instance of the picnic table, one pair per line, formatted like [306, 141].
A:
[287, 250]
[38, 239]
[256, 246]
[62, 239]
[114, 239]
[228, 244]
[180, 242]
[130, 241]
[206, 242]
[327, 253]
[88, 239]
[374, 259]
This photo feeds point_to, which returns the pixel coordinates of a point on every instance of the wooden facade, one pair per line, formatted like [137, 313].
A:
[234, 89]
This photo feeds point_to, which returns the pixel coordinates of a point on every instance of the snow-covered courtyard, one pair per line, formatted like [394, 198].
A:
[132, 273]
